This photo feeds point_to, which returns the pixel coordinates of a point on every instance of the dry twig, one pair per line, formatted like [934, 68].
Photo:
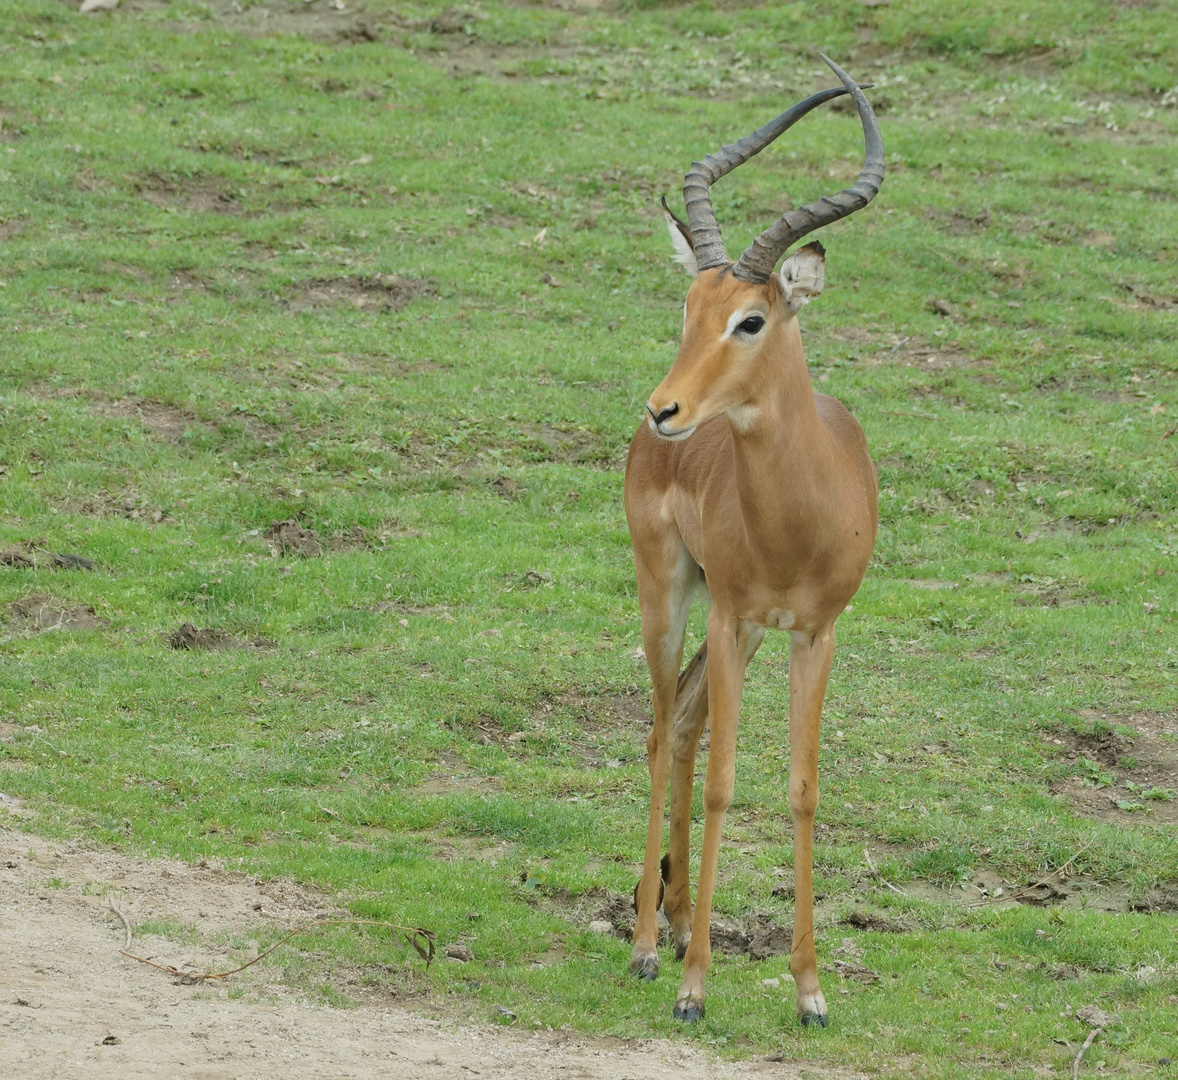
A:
[1087, 1043]
[126, 925]
[877, 875]
[414, 935]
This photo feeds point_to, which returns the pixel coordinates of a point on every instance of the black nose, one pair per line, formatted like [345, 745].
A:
[663, 414]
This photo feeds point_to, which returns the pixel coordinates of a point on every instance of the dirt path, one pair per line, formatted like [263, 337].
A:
[72, 1007]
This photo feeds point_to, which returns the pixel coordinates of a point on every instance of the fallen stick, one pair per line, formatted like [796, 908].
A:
[414, 935]
[127, 925]
[1087, 1043]
[877, 875]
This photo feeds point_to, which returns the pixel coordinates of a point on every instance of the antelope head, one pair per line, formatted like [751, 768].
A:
[740, 316]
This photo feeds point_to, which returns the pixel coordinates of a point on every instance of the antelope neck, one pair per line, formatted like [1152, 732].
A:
[784, 445]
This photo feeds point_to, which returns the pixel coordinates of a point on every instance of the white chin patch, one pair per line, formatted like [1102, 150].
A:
[673, 436]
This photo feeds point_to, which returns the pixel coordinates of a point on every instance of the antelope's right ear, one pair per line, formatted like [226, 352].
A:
[803, 275]
[681, 241]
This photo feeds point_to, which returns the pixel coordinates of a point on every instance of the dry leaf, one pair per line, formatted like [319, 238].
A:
[99, 5]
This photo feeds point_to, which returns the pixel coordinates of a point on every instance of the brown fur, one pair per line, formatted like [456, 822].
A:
[770, 501]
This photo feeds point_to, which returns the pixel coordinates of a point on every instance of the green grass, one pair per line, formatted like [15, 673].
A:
[174, 183]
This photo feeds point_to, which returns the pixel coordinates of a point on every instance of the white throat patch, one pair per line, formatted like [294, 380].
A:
[744, 417]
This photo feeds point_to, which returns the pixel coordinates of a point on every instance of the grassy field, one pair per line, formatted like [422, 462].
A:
[398, 279]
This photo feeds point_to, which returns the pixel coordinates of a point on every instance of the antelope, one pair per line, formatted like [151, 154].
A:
[743, 480]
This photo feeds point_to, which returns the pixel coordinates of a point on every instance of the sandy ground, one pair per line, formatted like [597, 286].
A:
[72, 1006]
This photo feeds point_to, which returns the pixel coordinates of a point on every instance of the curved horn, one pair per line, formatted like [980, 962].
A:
[705, 232]
[760, 257]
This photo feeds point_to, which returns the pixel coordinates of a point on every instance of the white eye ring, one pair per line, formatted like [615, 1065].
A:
[737, 320]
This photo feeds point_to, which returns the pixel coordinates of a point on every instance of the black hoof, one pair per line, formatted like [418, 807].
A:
[689, 1011]
[645, 968]
[681, 948]
[814, 1019]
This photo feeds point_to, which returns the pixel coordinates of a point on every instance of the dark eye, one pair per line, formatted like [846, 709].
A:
[752, 325]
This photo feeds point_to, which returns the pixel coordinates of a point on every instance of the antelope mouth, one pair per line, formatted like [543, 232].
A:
[672, 434]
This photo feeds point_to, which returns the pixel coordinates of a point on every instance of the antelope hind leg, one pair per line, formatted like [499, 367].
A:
[691, 714]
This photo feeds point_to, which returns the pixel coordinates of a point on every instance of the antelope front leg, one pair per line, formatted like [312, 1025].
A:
[663, 641]
[727, 641]
[809, 668]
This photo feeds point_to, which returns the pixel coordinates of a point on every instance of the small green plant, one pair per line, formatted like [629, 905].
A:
[1093, 773]
[1159, 794]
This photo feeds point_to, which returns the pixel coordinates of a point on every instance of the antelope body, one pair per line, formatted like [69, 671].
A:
[745, 482]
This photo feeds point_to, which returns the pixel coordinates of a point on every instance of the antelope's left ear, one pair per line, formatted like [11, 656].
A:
[802, 276]
[681, 241]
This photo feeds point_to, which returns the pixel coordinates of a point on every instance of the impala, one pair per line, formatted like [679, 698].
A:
[745, 482]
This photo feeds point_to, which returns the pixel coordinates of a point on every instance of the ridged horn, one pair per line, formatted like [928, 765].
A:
[701, 218]
[760, 257]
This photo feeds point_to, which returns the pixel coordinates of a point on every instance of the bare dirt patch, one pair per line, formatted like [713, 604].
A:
[203, 194]
[959, 222]
[871, 920]
[932, 357]
[102, 504]
[1156, 900]
[1127, 767]
[289, 537]
[385, 292]
[1050, 593]
[32, 555]
[78, 1010]
[609, 727]
[10, 129]
[612, 712]
[758, 935]
[876, 347]
[1142, 299]
[458, 783]
[185, 282]
[454, 777]
[986, 886]
[561, 444]
[506, 487]
[165, 422]
[41, 612]
[467, 57]
[190, 638]
[274, 18]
